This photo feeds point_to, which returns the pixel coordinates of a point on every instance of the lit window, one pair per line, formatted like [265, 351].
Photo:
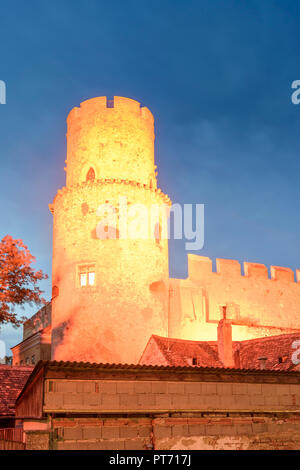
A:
[83, 279]
[87, 275]
[91, 279]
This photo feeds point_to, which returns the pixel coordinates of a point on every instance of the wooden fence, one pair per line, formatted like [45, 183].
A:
[11, 439]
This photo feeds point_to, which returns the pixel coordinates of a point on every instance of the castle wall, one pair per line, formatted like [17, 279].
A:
[110, 154]
[255, 304]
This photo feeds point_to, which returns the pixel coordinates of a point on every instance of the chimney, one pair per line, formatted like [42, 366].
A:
[225, 341]
[262, 362]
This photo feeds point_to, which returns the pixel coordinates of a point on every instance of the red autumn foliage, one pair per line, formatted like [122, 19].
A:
[18, 280]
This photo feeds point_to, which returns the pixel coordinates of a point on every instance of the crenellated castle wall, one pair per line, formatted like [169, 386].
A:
[256, 304]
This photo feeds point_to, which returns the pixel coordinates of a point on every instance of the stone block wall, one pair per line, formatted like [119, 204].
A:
[228, 433]
[211, 432]
[155, 396]
[102, 434]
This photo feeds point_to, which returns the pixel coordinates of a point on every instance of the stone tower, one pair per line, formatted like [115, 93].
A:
[109, 294]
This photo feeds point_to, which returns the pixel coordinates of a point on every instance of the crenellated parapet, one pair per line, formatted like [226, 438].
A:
[119, 103]
[255, 301]
[113, 138]
[201, 266]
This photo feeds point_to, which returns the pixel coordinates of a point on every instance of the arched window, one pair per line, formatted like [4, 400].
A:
[90, 175]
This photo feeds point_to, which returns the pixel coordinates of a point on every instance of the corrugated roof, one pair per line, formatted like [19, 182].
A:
[140, 367]
[122, 366]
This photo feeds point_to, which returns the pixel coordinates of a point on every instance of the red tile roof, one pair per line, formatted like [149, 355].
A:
[276, 349]
[12, 381]
[179, 353]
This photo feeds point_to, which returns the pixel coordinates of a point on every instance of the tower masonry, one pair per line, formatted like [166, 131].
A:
[108, 291]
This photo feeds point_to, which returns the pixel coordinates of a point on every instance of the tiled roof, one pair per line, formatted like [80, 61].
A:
[276, 349]
[12, 381]
[179, 352]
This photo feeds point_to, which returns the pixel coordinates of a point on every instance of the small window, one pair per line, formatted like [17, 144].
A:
[90, 175]
[27, 360]
[91, 278]
[194, 361]
[33, 359]
[83, 279]
[87, 275]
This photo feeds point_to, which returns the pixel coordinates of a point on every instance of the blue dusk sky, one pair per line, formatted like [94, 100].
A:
[216, 75]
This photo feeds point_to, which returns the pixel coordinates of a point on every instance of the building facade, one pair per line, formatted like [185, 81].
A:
[36, 343]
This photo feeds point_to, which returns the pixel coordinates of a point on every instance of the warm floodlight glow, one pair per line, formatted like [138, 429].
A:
[110, 156]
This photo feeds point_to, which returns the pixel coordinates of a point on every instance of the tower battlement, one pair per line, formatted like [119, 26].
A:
[117, 103]
[110, 139]
[201, 266]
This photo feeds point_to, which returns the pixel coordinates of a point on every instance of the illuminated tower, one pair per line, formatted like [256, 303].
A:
[109, 295]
